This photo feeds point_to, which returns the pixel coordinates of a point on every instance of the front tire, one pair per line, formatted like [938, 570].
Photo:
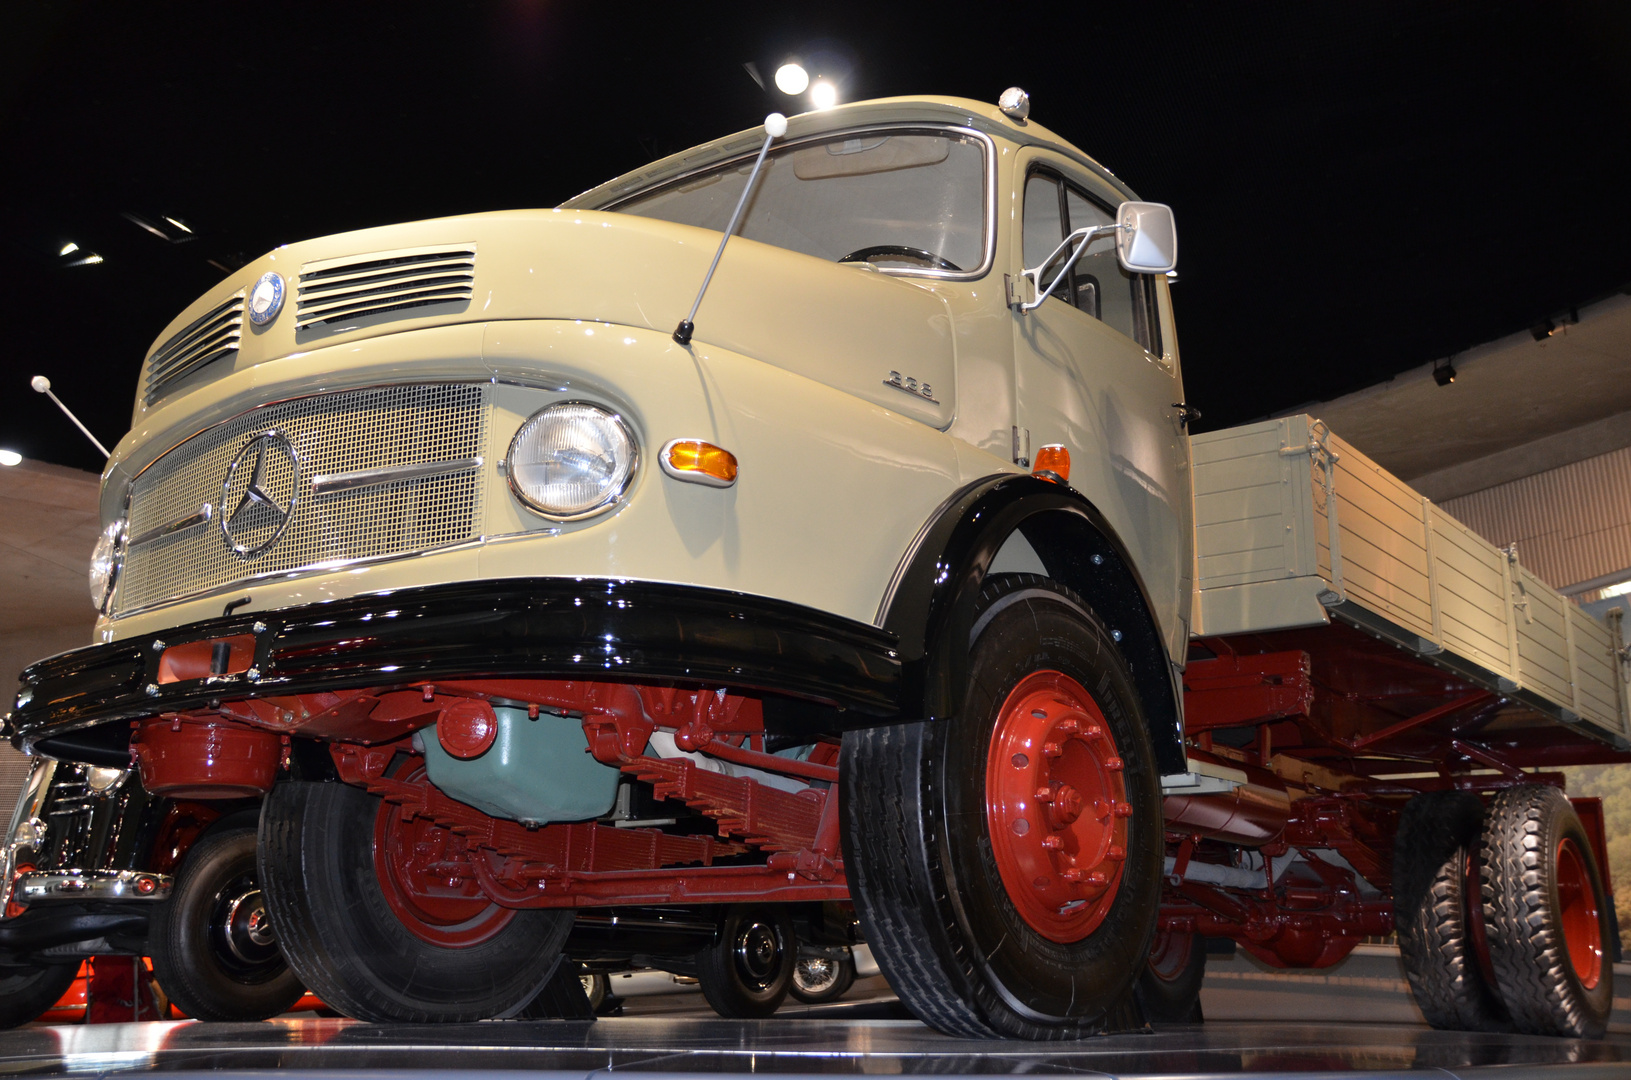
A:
[214, 951]
[372, 943]
[1546, 915]
[1005, 863]
[746, 973]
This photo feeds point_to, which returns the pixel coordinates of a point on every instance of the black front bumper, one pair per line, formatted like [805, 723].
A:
[822, 671]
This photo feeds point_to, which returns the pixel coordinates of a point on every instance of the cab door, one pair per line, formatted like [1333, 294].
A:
[1096, 369]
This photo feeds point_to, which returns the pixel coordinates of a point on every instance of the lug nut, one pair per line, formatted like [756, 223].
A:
[1098, 879]
[1093, 731]
[1069, 727]
[1115, 853]
[1051, 749]
[1053, 843]
[1122, 809]
[1044, 794]
[1114, 764]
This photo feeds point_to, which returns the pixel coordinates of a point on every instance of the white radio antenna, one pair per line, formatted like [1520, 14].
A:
[775, 128]
[42, 385]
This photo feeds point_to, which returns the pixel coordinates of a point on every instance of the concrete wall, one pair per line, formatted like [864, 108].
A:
[48, 525]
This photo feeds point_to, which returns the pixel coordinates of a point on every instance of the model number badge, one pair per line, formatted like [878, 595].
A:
[910, 385]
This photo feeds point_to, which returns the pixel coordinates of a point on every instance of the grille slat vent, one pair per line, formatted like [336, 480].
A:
[209, 338]
[381, 282]
[348, 432]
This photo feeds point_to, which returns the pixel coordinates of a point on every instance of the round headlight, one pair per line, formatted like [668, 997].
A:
[571, 460]
[105, 559]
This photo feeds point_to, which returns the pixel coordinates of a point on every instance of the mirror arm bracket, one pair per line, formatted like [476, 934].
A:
[1081, 238]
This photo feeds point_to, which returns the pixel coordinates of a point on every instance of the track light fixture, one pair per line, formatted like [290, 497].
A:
[1443, 372]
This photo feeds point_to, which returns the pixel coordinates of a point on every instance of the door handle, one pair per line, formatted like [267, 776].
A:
[1186, 413]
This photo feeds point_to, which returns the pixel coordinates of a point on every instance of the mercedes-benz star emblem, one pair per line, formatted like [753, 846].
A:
[266, 298]
[258, 496]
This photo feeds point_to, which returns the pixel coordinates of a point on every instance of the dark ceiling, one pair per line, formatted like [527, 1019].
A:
[1359, 188]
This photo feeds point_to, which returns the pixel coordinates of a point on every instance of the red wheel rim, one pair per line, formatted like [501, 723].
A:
[425, 875]
[1056, 806]
[1582, 925]
[1169, 955]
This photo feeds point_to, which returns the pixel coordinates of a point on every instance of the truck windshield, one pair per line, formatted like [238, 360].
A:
[912, 201]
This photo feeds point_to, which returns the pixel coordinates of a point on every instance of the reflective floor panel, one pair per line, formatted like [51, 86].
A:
[845, 1040]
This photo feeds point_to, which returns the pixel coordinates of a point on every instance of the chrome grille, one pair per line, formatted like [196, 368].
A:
[362, 285]
[203, 341]
[182, 506]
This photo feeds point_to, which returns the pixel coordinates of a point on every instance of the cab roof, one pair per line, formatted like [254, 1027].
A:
[963, 112]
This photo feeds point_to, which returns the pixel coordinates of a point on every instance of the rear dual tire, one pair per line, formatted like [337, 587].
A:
[1521, 876]
[1546, 915]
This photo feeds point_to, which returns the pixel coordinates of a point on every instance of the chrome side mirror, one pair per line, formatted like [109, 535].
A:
[1147, 242]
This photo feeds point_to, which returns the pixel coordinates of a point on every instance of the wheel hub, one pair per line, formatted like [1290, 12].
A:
[249, 935]
[756, 952]
[815, 973]
[1056, 806]
[1582, 924]
[425, 875]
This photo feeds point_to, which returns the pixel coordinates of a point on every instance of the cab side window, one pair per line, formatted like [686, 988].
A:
[1096, 284]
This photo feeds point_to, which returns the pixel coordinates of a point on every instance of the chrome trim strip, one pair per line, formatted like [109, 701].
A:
[245, 583]
[340, 388]
[91, 885]
[986, 141]
[202, 517]
[333, 483]
[30, 801]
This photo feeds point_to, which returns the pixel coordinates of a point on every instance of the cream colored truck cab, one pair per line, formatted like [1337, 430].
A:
[511, 602]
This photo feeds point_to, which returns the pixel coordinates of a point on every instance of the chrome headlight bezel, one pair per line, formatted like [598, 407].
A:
[612, 497]
[107, 559]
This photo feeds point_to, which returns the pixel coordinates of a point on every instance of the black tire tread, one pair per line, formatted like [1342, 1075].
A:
[1177, 1000]
[893, 916]
[1533, 973]
[1431, 912]
[25, 994]
[336, 970]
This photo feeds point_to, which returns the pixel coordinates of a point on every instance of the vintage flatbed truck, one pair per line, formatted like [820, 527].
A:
[517, 576]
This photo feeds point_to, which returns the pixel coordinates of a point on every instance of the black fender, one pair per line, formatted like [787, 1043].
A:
[929, 605]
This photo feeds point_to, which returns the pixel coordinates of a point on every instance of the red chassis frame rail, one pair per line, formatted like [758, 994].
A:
[588, 864]
[1334, 731]
[1347, 728]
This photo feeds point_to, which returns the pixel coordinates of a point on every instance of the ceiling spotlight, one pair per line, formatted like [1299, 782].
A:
[823, 95]
[1443, 372]
[792, 79]
[69, 248]
[8, 458]
[92, 259]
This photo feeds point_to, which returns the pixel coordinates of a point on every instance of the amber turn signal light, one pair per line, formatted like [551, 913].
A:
[698, 462]
[1052, 462]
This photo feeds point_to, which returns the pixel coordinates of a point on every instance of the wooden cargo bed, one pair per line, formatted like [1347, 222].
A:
[1304, 542]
